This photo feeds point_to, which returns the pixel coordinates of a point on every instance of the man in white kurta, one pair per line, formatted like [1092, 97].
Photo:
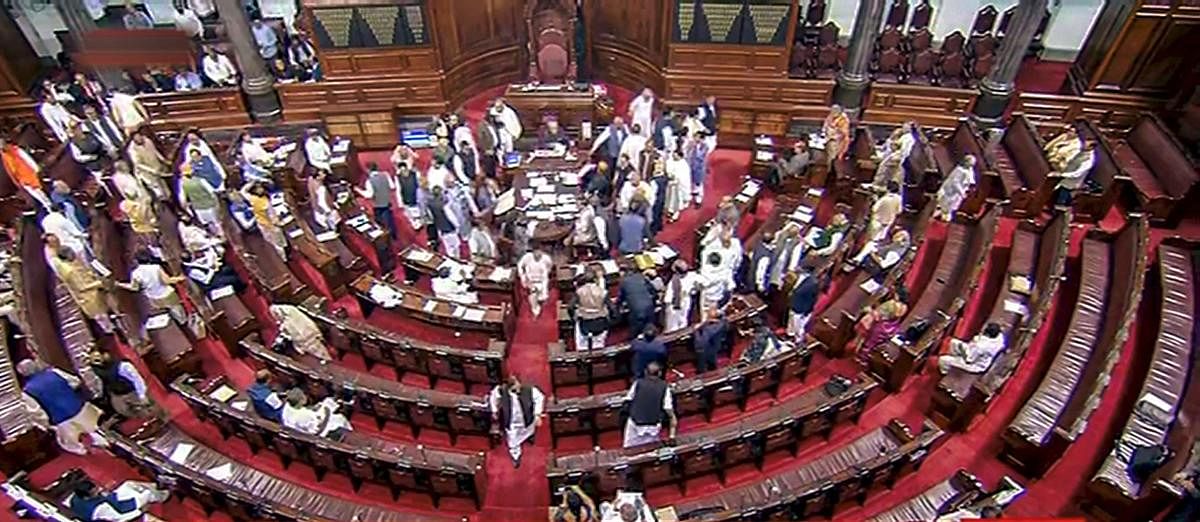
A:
[69, 234]
[518, 409]
[535, 269]
[678, 296]
[641, 112]
[633, 146]
[955, 188]
[508, 118]
[57, 118]
[321, 419]
[679, 184]
[127, 111]
[974, 356]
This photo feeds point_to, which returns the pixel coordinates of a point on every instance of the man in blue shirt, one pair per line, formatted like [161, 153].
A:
[647, 348]
[55, 393]
[638, 295]
[129, 499]
[633, 229]
[266, 402]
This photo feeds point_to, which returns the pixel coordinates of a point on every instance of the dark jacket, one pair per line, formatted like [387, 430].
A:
[711, 336]
[636, 293]
[804, 296]
[646, 352]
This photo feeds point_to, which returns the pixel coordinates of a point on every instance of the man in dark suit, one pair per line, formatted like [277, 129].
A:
[638, 294]
[489, 140]
[608, 143]
[802, 301]
[710, 338]
[708, 114]
[647, 348]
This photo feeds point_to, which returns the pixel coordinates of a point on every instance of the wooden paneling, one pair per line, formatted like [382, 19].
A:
[890, 103]
[731, 59]
[340, 64]
[628, 41]
[207, 108]
[489, 69]
[1137, 48]
[481, 44]
[1112, 114]
[407, 95]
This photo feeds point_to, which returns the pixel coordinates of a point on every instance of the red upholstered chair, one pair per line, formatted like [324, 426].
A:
[551, 25]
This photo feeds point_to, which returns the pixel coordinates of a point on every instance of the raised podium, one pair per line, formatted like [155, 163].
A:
[570, 105]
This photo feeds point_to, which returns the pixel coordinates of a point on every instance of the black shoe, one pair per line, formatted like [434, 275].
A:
[517, 464]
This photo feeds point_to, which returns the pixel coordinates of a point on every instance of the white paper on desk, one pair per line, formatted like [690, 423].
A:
[220, 473]
[460, 311]
[419, 255]
[804, 210]
[1020, 284]
[1015, 307]
[430, 306]
[763, 140]
[869, 286]
[239, 405]
[1158, 403]
[217, 293]
[357, 220]
[815, 192]
[100, 269]
[546, 189]
[526, 194]
[328, 235]
[505, 202]
[537, 181]
[657, 258]
[286, 148]
[803, 218]
[341, 146]
[342, 198]
[501, 274]
[764, 155]
[276, 199]
[180, 454]
[295, 233]
[665, 251]
[473, 315]
[374, 233]
[610, 266]
[157, 321]
[223, 393]
[568, 179]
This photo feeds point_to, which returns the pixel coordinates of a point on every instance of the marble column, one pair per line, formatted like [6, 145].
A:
[853, 79]
[257, 81]
[79, 22]
[997, 88]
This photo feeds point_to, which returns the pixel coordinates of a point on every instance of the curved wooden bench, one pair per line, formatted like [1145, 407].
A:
[848, 472]
[711, 450]
[1113, 492]
[614, 362]
[1162, 177]
[1023, 168]
[967, 139]
[360, 457]
[469, 365]
[1036, 262]
[495, 320]
[385, 399]
[943, 299]
[733, 384]
[960, 489]
[1058, 411]
[248, 494]
[1106, 173]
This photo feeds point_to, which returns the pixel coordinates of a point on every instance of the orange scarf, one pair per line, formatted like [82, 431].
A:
[21, 172]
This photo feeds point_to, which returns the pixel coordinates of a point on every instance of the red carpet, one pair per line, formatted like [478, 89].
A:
[522, 494]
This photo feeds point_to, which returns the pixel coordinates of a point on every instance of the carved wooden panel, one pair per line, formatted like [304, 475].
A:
[627, 40]
[889, 103]
[752, 105]
[408, 95]
[481, 44]
[206, 108]
[741, 59]
[1138, 47]
[1113, 114]
[346, 63]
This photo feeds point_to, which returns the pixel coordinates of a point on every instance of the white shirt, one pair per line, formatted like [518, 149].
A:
[253, 152]
[303, 419]
[628, 190]
[202, 7]
[188, 22]
[534, 269]
[481, 244]
[149, 278]
[318, 152]
[219, 69]
[126, 110]
[59, 225]
[1073, 179]
[453, 288]
[58, 119]
[633, 145]
[886, 208]
[717, 281]
[517, 421]
[437, 176]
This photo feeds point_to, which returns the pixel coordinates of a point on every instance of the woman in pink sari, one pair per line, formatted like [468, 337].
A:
[880, 325]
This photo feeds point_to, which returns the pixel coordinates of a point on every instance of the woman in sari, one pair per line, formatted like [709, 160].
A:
[837, 134]
[880, 325]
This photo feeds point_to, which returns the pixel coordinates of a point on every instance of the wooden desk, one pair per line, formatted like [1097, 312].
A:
[483, 277]
[495, 320]
[572, 107]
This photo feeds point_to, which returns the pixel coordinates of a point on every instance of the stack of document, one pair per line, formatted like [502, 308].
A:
[385, 295]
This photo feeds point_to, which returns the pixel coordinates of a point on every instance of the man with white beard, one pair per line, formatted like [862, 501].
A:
[507, 118]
